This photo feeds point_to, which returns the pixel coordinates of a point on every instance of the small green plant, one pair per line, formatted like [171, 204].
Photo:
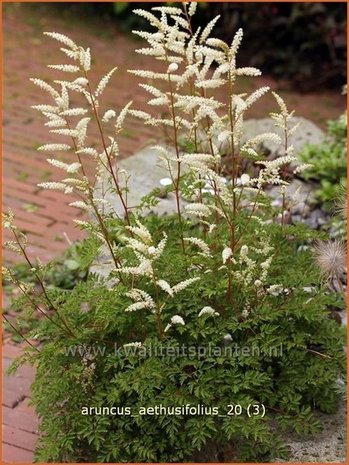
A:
[329, 162]
[63, 273]
[209, 326]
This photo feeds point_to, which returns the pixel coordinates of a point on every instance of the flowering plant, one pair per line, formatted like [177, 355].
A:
[210, 279]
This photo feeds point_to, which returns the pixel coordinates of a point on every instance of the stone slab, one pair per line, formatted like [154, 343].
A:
[145, 172]
[328, 446]
[307, 133]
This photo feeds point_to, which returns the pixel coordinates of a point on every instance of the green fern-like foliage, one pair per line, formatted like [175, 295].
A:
[285, 355]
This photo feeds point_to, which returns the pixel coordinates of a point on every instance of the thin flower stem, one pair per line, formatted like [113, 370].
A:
[283, 211]
[250, 216]
[37, 307]
[41, 283]
[284, 173]
[111, 170]
[175, 130]
[188, 18]
[318, 353]
[158, 308]
[231, 121]
[240, 196]
[95, 209]
[207, 130]
[19, 333]
[230, 284]
[191, 85]
[37, 276]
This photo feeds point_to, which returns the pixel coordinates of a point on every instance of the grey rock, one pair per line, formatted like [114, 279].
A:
[316, 219]
[307, 132]
[303, 191]
[328, 446]
[344, 318]
[302, 209]
[102, 267]
[145, 173]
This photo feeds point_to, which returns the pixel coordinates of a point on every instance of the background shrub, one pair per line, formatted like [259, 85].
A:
[329, 160]
[304, 43]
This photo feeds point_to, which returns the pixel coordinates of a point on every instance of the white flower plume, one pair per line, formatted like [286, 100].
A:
[175, 320]
[208, 311]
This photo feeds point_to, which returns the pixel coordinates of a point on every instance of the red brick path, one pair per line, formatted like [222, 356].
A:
[45, 215]
[19, 422]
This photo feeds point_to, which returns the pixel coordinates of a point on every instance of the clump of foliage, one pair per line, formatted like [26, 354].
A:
[197, 309]
[329, 162]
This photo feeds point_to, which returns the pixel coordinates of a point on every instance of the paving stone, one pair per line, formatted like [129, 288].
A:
[11, 398]
[25, 371]
[14, 454]
[11, 351]
[19, 418]
[145, 170]
[16, 383]
[24, 167]
[19, 438]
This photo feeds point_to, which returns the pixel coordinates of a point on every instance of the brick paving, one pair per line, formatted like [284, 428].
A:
[19, 422]
[45, 215]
